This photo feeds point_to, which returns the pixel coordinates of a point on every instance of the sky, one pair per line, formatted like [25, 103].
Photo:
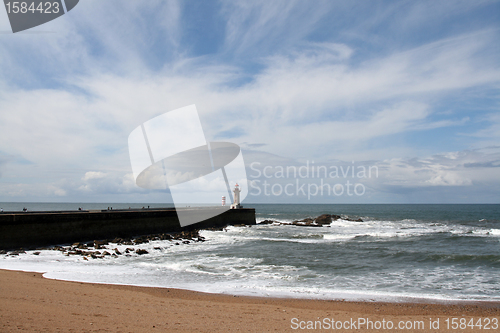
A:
[408, 90]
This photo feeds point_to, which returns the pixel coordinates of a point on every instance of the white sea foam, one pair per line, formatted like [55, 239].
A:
[494, 232]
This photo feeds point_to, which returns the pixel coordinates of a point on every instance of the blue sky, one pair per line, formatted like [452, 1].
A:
[409, 87]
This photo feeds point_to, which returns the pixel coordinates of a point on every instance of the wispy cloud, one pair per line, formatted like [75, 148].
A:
[295, 81]
[256, 27]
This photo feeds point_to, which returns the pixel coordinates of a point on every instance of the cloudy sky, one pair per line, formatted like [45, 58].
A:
[410, 89]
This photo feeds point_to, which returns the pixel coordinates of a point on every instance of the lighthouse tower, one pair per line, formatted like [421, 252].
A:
[236, 203]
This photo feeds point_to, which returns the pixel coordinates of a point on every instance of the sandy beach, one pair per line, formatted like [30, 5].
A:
[29, 302]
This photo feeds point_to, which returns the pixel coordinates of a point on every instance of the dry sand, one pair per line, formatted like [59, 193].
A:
[29, 302]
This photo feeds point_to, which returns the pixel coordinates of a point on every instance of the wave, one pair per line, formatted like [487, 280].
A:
[377, 229]
[463, 258]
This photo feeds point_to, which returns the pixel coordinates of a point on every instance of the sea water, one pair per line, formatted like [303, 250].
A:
[398, 252]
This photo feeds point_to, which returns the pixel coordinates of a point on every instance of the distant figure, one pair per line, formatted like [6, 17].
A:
[79, 208]
[1, 210]
[25, 209]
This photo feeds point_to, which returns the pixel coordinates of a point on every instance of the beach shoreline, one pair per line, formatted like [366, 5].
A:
[33, 303]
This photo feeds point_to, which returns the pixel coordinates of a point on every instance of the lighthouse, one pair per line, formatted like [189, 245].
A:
[236, 203]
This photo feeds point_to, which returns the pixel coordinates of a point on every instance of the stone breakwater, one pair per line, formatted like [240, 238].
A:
[319, 221]
[35, 229]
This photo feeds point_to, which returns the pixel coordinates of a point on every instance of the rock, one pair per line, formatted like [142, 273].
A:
[101, 242]
[186, 242]
[303, 222]
[157, 248]
[354, 220]
[165, 237]
[307, 222]
[141, 240]
[335, 217]
[117, 251]
[268, 222]
[323, 219]
[141, 251]
[36, 253]
[3, 252]
[215, 228]
[106, 253]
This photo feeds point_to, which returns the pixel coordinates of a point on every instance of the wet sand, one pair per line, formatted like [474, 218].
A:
[29, 302]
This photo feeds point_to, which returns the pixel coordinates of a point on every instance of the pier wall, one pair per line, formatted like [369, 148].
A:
[35, 229]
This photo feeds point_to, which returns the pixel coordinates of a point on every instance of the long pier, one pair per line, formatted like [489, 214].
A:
[35, 229]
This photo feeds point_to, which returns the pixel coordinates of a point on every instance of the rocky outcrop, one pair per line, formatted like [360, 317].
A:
[268, 222]
[323, 219]
[320, 221]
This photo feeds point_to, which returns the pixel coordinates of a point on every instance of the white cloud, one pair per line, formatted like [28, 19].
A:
[308, 99]
[464, 168]
[96, 182]
[93, 175]
[449, 179]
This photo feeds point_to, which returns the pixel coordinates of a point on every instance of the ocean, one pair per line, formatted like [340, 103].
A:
[398, 253]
